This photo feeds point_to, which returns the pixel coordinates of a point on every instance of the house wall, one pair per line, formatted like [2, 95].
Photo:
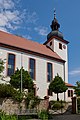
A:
[69, 98]
[41, 70]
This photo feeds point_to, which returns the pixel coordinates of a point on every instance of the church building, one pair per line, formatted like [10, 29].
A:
[42, 61]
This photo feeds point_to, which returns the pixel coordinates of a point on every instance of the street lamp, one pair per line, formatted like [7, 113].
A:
[21, 72]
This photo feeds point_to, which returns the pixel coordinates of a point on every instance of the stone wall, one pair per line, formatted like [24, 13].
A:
[44, 104]
[10, 106]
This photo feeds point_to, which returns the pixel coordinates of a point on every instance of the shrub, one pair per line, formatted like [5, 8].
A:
[36, 101]
[1, 66]
[6, 91]
[56, 105]
[31, 100]
[43, 115]
[3, 116]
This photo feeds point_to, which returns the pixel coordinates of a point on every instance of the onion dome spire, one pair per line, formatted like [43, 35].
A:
[55, 28]
[55, 25]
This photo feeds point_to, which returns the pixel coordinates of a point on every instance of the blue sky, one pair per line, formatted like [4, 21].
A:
[32, 18]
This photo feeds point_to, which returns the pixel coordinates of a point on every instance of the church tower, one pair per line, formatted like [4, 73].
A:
[55, 41]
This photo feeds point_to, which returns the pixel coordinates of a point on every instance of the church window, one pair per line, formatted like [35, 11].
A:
[49, 72]
[60, 46]
[32, 68]
[11, 64]
[50, 43]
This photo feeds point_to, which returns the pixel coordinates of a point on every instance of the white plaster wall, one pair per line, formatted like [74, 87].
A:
[54, 97]
[41, 77]
[41, 70]
[4, 55]
[21, 57]
[63, 54]
[52, 46]
[58, 68]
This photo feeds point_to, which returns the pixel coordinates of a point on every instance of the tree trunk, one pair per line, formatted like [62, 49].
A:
[57, 97]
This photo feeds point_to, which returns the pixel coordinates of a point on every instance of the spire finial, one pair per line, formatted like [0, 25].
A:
[54, 13]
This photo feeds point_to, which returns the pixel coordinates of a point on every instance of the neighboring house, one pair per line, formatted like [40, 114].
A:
[69, 92]
[43, 61]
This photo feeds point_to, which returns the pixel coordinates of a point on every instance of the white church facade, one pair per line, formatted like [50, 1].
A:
[42, 61]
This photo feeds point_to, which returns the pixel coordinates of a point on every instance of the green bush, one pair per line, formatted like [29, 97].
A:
[3, 116]
[31, 100]
[1, 66]
[43, 115]
[56, 105]
[15, 80]
[6, 91]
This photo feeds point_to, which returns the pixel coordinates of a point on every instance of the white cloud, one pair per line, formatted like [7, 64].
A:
[9, 17]
[31, 17]
[41, 30]
[75, 72]
[12, 17]
[28, 37]
[6, 4]
[3, 29]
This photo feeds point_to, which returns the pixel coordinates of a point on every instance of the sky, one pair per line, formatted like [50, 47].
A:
[31, 19]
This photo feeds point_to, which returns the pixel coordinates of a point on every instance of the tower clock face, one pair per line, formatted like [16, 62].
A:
[64, 46]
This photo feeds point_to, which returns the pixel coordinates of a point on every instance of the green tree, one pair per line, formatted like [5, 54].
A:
[27, 82]
[1, 66]
[57, 86]
[6, 90]
[77, 88]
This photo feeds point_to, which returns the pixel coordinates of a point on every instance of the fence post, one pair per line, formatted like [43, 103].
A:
[74, 105]
[46, 98]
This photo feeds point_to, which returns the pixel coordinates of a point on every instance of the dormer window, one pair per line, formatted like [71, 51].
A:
[60, 46]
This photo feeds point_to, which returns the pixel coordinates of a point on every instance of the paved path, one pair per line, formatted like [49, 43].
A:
[66, 117]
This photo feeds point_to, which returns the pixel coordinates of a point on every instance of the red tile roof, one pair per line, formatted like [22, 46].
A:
[69, 85]
[22, 43]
